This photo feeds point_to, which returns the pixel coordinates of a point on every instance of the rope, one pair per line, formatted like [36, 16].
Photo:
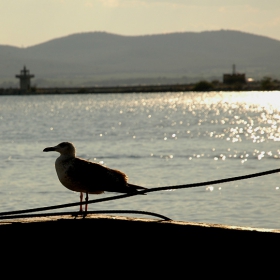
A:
[215, 182]
[193, 185]
[88, 212]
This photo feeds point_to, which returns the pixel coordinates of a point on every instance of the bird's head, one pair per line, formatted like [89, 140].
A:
[64, 148]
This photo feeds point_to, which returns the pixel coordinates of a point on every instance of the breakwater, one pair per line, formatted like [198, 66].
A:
[136, 89]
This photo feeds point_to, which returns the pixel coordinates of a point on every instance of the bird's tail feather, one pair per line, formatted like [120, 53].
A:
[136, 187]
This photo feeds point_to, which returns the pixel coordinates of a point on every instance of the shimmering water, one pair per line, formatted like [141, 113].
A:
[157, 140]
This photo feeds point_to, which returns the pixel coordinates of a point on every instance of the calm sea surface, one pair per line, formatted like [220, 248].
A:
[157, 139]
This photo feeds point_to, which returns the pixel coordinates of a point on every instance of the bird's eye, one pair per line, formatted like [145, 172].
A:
[62, 145]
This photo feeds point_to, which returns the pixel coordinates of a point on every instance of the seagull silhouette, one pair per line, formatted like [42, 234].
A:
[83, 176]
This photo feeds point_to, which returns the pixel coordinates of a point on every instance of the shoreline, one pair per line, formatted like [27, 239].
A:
[135, 89]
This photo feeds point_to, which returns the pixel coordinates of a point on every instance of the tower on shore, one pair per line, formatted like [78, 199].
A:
[24, 78]
[234, 77]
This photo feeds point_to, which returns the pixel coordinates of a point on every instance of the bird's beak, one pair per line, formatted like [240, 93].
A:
[49, 149]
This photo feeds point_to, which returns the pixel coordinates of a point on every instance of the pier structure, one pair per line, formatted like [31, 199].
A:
[24, 78]
[56, 238]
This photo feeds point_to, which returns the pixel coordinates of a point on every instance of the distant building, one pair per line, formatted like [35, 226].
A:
[24, 78]
[234, 77]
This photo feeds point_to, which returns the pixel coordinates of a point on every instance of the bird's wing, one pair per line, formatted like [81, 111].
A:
[95, 177]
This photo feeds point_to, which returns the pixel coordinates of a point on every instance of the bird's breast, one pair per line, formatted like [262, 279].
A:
[62, 166]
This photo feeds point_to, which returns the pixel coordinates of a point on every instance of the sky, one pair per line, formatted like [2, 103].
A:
[25, 23]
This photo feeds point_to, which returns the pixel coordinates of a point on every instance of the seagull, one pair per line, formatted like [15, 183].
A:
[84, 176]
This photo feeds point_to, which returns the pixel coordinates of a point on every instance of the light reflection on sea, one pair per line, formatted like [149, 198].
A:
[157, 139]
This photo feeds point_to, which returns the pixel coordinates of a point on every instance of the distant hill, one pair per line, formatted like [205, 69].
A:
[102, 58]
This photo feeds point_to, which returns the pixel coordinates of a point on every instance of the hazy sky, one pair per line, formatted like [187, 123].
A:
[29, 22]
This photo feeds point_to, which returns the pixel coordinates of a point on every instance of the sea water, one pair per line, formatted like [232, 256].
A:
[157, 139]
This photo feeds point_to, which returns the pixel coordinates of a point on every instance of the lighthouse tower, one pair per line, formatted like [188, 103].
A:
[24, 78]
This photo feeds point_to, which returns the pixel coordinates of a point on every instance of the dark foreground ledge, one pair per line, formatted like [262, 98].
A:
[103, 233]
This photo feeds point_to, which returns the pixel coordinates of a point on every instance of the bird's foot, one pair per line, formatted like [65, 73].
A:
[79, 213]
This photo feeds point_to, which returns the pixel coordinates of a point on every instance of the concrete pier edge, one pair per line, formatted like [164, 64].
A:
[114, 229]
[108, 219]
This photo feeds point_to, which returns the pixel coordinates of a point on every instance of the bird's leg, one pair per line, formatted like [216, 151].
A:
[81, 207]
[86, 199]
[81, 200]
[86, 202]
